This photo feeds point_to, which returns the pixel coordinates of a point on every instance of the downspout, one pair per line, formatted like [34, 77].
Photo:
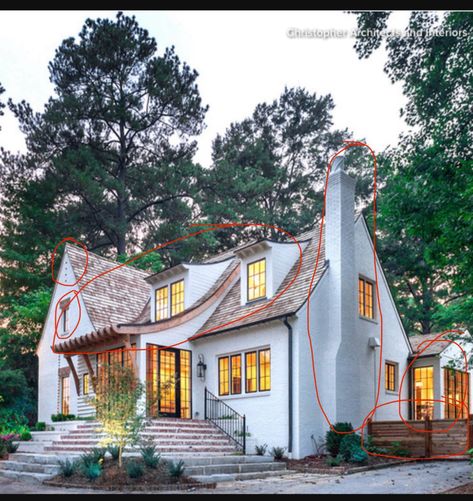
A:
[289, 381]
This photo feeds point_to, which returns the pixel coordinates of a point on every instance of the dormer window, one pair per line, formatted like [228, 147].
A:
[162, 303]
[257, 279]
[177, 297]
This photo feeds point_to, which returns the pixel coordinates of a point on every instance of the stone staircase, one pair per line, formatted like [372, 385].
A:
[209, 455]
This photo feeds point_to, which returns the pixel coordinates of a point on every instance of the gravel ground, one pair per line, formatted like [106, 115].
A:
[419, 478]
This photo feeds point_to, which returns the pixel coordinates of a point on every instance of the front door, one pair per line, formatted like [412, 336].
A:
[168, 382]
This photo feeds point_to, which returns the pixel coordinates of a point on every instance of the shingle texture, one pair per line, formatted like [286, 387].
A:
[433, 349]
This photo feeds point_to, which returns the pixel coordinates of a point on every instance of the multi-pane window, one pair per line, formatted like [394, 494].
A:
[235, 363]
[423, 392]
[264, 370]
[456, 390]
[65, 395]
[85, 384]
[390, 376]
[223, 379]
[250, 372]
[177, 297]
[161, 296]
[257, 280]
[365, 298]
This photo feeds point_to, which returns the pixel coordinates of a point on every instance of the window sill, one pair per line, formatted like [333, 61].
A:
[246, 395]
[253, 301]
[368, 319]
[390, 392]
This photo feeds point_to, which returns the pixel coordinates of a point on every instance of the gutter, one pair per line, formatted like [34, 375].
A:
[289, 381]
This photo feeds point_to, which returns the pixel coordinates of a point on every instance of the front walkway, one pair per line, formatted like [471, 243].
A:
[420, 478]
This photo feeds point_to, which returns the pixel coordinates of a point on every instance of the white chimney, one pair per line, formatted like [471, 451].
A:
[340, 251]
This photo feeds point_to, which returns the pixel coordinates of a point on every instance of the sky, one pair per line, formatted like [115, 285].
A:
[243, 59]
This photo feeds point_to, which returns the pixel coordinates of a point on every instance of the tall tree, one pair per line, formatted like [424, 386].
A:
[117, 134]
[426, 208]
[270, 168]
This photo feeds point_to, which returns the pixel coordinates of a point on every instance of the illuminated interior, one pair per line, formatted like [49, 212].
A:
[424, 392]
[65, 394]
[365, 298]
[177, 297]
[257, 280]
[161, 303]
[456, 390]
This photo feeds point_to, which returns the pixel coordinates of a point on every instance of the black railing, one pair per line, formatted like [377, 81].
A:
[226, 419]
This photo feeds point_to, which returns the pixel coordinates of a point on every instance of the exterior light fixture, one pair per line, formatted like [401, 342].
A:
[201, 367]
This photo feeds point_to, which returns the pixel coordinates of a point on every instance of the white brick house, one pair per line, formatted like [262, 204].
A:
[259, 365]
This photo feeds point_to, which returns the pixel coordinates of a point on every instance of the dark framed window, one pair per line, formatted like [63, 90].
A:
[235, 368]
[162, 300]
[223, 376]
[365, 298]
[251, 379]
[456, 391]
[177, 297]
[64, 316]
[256, 278]
[85, 383]
[264, 362]
[390, 376]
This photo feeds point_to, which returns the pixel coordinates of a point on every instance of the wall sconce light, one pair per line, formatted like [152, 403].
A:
[201, 367]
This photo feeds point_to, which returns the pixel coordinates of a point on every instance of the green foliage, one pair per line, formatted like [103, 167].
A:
[150, 455]
[334, 461]
[89, 458]
[470, 452]
[333, 439]
[92, 471]
[98, 453]
[350, 449]
[278, 453]
[7, 443]
[116, 406]
[25, 435]
[269, 168]
[370, 447]
[62, 417]
[134, 469]
[396, 449]
[3, 449]
[151, 262]
[114, 451]
[40, 426]
[261, 449]
[67, 468]
[12, 422]
[176, 469]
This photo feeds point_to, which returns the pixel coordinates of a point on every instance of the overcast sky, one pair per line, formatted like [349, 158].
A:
[243, 58]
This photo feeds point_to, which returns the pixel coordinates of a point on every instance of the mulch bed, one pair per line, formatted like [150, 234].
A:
[115, 479]
[318, 464]
[462, 489]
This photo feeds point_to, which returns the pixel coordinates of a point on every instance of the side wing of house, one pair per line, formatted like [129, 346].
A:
[56, 386]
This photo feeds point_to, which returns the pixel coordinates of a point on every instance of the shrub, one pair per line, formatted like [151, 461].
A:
[350, 449]
[92, 471]
[40, 426]
[396, 449]
[176, 470]
[11, 447]
[333, 439]
[278, 453]
[67, 467]
[334, 461]
[358, 456]
[25, 435]
[150, 456]
[261, 449]
[98, 453]
[62, 417]
[3, 449]
[370, 447]
[134, 469]
[7, 443]
[88, 459]
[114, 451]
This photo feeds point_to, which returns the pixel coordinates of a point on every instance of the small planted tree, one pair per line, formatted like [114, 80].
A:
[117, 407]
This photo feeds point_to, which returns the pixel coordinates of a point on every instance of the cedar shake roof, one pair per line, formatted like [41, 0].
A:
[289, 303]
[433, 349]
[117, 297]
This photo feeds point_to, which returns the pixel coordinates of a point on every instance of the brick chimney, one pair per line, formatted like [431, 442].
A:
[340, 251]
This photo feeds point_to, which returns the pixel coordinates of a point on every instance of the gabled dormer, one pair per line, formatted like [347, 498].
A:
[178, 288]
[263, 267]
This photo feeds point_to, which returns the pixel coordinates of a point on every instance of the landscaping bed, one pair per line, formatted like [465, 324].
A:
[114, 478]
[318, 464]
[462, 489]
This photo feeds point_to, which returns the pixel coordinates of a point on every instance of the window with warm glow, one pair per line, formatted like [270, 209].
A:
[177, 297]
[223, 381]
[390, 376]
[365, 298]
[161, 296]
[251, 369]
[85, 384]
[456, 390]
[65, 395]
[264, 370]
[423, 392]
[257, 280]
[236, 374]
